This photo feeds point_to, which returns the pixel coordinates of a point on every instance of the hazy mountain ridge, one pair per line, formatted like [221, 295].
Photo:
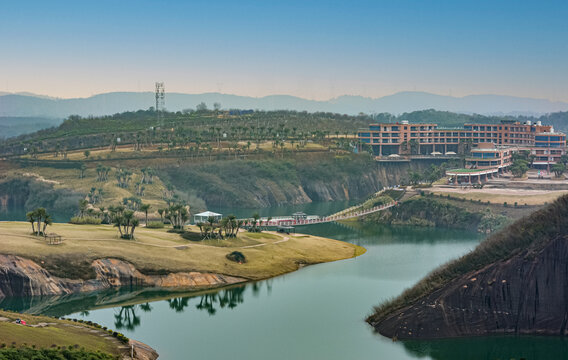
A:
[115, 102]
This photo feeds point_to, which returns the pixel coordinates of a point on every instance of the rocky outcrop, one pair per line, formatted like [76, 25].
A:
[142, 351]
[524, 292]
[276, 182]
[23, 277]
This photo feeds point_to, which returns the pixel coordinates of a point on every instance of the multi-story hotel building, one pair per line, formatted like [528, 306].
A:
[426, 139]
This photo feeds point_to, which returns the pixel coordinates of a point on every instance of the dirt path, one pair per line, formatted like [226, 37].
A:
[286, 238]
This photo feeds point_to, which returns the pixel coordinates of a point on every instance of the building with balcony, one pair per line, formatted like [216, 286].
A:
[405, 138]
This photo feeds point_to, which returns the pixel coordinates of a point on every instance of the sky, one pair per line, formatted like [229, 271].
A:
[312, 49]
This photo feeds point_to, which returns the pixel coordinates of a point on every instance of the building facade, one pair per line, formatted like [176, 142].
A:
[428, 139]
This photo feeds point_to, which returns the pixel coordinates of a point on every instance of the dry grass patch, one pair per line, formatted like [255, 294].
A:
[494, 197]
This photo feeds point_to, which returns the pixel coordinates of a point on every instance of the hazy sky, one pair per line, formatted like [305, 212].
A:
[312, 49]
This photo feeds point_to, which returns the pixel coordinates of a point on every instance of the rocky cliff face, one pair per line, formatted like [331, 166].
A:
[275, 182]
[526, 293]
[23, 277]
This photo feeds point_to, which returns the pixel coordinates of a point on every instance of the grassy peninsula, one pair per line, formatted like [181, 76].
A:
[157, 251]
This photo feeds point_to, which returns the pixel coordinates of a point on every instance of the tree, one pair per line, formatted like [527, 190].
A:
[144, 208]
[519, 167]
[255, 218]
[558, 169]
[201, 107]
[82, 171]
[216, 106]
[30, 216]
[39, 216]
[82, 207]
[87, 153]
[414, 177]
[178, 215]
[564, 160]
[124, 220]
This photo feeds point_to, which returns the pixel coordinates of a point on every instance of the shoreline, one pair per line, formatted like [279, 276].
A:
[114, 264]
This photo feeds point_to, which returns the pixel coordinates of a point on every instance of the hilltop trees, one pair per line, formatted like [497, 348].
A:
[102, 173]
[82, 171]
[123, 178]
[147, 175]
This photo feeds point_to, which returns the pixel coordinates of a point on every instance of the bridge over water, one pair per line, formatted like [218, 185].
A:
[315, 219]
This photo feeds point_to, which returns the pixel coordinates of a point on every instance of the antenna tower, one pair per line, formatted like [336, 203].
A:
[160, 102]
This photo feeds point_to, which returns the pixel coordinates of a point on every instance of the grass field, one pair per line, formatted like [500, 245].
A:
[157, 251]
[61, 333]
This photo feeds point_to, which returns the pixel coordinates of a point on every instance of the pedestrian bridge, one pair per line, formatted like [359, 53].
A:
[304, 219]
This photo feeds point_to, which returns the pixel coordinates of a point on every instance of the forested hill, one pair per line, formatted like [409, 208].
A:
[210, 125]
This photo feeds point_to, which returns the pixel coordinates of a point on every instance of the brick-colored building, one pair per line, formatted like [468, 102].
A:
[424, 139]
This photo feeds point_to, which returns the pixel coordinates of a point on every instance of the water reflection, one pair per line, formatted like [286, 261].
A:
[129, 317]
[490, 348]
[126, 317]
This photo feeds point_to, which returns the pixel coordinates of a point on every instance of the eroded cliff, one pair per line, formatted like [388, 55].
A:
[24, 277]
[263, 183]
[515, 282]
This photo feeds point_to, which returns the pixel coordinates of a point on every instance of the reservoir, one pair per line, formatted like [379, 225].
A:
[317, 312]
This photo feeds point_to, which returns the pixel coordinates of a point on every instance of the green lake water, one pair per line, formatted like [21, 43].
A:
[315, 313]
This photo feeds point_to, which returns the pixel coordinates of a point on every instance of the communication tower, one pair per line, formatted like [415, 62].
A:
[160, 102]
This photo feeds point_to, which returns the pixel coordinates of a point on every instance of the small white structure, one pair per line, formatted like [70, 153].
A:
[204, 216]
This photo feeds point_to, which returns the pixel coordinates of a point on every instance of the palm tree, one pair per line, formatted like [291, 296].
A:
[144, 208]
[31, 217]
[46, 221]
[83, 203]
[41, 214]
[255, 217]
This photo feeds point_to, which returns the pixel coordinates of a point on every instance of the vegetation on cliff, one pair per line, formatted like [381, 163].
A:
[527, 235]
[252, 183]
[431, 211]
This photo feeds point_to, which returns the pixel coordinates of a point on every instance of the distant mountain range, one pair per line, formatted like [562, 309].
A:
[30, 105]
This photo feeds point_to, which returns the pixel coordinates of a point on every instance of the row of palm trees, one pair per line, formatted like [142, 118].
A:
[227, 227]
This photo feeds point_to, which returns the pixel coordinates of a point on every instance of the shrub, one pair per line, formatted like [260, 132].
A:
[192, 236]
[85, 220]
[237, 256]
[505, 204]
[155, 225]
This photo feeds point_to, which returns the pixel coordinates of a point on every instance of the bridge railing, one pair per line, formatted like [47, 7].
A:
[287, 220]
